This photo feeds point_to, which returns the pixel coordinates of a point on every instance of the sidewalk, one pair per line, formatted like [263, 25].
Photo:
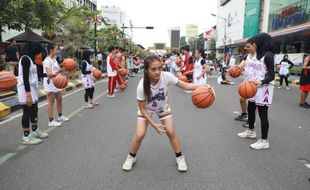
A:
[9, 100]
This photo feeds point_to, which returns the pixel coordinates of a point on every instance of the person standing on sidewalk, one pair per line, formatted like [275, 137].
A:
[27, 89]
[51, 68]
[305, 83]
[111, 72]
[12, 57]
[284, 71]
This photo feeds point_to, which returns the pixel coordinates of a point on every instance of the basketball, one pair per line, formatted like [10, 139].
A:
[69, 64]
[97, 74]
[183, 78]
[60, 81]
[123, 72]
[247, 89]
[178, 62]
[203, 97]
[8, 81]
[235, 72]
[122, 87]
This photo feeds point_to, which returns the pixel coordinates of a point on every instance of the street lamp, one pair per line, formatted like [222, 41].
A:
[131, 27]
[225, 37]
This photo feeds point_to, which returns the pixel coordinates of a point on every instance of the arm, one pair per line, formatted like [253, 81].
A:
[269, 61]
[190, 86]
[291, 64]
[306, 61]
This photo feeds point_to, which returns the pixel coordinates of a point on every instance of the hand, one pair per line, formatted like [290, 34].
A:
[258, 82]
[160, 128]
[28, 99]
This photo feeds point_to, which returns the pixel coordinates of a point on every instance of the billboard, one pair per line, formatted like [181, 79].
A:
[160, 46]
[191, 30]
[251, 18]
[175, 39]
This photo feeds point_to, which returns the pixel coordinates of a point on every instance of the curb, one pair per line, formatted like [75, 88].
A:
[9, 104]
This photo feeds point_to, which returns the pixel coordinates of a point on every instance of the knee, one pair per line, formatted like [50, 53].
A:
[171, 135]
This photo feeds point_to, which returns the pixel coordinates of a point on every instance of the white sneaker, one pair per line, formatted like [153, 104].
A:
[279, 87]
[30, 140]
[188, 91]
[260, 144]
[247, 134]
[116, 90]
[287, 88]
[39, 134]
[127, 166]
[111, 96]
[54, 123]
[182, 167]
[88, 106]
[94, 103]
[62, 118]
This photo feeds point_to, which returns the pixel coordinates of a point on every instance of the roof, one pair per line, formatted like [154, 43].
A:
[30, 36]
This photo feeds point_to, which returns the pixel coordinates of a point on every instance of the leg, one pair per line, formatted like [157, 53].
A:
[34, 116]
[86, 95]
[281, 80]
[263, 114]
[110, 83]
[303, 97]
[51, 99]
[138, 137]
[286, 80]
[113, 85]
[91, 94]
[25, 120]
[119, 80]
[251, 115]
[243, 105]
[59, 103]
[172, 135]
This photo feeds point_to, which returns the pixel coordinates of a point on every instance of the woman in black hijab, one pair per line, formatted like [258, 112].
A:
[260, 70]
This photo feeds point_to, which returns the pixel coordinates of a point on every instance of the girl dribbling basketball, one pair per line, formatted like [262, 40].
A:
[259, 68]
[152, 96]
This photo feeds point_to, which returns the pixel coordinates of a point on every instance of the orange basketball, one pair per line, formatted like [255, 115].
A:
[122, 87]
[123, 72]
[8, 81]
[247, 89]
[97, 74]
[60, 81]
[69, 64]
[178, 62]
[203, 97]
[183, 78]
[235, 72]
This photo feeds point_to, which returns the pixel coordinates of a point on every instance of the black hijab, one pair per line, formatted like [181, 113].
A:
[264, 44]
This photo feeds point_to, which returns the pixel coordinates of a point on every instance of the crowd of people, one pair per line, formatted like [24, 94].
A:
[152, 92]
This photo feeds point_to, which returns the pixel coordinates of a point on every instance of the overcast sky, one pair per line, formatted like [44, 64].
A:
[163, 15]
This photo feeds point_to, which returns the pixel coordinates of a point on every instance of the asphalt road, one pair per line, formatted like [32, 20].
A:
[89, 150]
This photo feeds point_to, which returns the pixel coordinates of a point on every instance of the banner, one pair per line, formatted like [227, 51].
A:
[251, 18]
[296, 58]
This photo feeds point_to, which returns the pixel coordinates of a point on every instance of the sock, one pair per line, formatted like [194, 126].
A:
[59, 114]
[34, 127]
[178, 154]
[26, 133]
[50, 119]
[131, 154]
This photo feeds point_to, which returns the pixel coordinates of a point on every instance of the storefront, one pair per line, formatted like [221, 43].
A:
[289, 25]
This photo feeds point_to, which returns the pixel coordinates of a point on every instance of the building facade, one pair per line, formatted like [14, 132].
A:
[116, 16]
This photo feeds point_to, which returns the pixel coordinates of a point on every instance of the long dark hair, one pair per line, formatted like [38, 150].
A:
[264, 44]
[31, 49]
[86, 56]
[285, 57]
[146, 80]
[50, 47]
[202, 52]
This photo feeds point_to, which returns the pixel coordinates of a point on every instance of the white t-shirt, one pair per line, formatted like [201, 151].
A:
[284, 68]
[110, 72]
[232, 61]
[99, 56]
[53, 66]
[159, 98]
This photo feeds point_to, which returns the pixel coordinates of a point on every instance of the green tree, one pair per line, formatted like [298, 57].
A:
[182, 41]
[30, 14]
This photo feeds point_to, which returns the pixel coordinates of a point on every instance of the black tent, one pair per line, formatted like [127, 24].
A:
[29, 36]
